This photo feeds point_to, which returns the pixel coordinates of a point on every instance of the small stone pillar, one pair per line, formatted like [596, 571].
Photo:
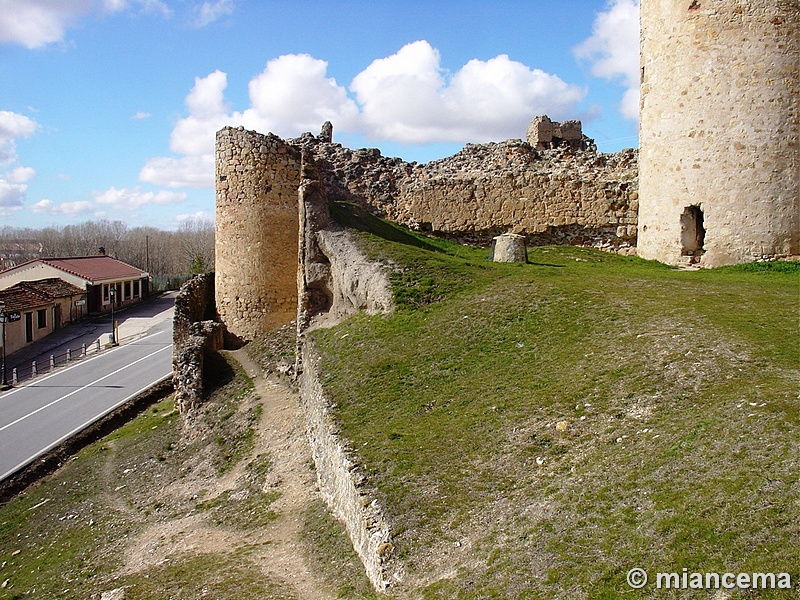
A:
[509, 247]
[326, 134]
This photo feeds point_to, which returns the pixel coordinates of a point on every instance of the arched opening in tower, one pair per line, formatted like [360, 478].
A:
[693, 233]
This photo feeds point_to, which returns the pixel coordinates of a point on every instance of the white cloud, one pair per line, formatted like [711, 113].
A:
[13, 184]
[154, 6]
[198, 216]
[11, 194]
[21, 174]
[408, 98]
[114, 199]
[67, 209]
[613, 50]
[13, 126]
[113, 6]
[133, 199]
[208, 12]
[194, 135]
[186, 171]
[138, 116]
[293, 94]
[36, 23]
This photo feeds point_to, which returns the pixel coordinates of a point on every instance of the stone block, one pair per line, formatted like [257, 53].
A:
[509, 247]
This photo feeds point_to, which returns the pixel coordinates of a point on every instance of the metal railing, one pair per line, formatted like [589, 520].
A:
[35, 368]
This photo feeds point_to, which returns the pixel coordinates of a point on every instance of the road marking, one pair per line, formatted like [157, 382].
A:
[88, 385]
[78, 429]
[37, 380]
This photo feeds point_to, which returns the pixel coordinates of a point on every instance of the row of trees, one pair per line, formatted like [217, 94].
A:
[188, 250]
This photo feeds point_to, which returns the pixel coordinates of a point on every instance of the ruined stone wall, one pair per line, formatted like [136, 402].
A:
[550, 197]
[257, 177]
[719, 130]
[341, 481]
[334, 281]
[194, 333]
[558, 196]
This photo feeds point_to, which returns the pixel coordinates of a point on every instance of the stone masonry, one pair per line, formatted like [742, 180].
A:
[195, 333]
[257, 177]
[559, 195]
[545, 134]
[719, 131]
[563, 195]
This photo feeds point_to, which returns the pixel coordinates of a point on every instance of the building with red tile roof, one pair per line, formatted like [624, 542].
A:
[34, 309]
[101, 276]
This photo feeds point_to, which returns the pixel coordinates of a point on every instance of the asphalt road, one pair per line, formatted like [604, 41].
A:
[39, 416]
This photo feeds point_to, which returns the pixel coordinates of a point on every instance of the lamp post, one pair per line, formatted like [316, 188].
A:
[112, 292]
[3, 318]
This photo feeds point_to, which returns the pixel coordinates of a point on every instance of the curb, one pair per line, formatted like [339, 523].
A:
[53, 459]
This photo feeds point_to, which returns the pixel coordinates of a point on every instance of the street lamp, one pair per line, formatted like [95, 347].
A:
[3, 318]
[112, 292]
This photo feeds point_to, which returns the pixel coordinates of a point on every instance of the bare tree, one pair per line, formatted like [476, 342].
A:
[196, 239]
[160, 253]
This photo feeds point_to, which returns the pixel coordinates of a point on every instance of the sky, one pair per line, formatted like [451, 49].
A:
[109, 108]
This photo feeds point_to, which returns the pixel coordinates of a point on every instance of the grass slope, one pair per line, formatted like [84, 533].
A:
[126, 512]
[538, 430]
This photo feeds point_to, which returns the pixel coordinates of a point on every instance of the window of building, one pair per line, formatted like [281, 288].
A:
[136, 291]
[41, 316]
[105, 294]
[127, 290]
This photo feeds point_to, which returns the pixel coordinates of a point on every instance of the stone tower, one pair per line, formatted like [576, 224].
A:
[719, 156]
[257, 178]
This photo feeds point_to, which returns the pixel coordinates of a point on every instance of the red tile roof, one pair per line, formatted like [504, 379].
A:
[53, 287]
[31, 294]
[95, 268]
[18, 298]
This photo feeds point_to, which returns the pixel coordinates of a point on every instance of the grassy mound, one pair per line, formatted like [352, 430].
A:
[538, 430]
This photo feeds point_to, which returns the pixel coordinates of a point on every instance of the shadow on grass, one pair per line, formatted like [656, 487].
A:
[355, 217]
[217, 372]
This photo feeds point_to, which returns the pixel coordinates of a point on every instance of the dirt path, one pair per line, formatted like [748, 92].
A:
[282, 435]
[277, 548]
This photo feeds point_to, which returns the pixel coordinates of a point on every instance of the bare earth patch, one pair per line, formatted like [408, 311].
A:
[277, 547]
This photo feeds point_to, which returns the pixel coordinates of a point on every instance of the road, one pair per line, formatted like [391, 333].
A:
[39, 416]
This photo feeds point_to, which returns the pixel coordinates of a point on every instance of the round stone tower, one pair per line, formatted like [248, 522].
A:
[719, 149]
[256, 231]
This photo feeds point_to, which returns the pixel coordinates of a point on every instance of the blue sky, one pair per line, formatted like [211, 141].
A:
[108, 108]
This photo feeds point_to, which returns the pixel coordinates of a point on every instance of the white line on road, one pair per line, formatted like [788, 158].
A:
[38, 380]
[29, 460]
[88, 385]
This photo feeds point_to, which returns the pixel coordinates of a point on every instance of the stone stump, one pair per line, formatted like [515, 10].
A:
[509, 247]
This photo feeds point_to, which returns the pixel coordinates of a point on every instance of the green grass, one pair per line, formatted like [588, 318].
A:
[331, 553]
[676, 391]
[72, 534]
